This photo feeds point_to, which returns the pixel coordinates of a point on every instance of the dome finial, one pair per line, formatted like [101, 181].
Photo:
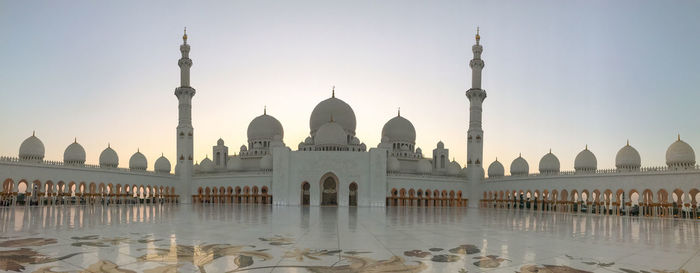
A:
[550, 150]
[586, 146]
[399, 111]
[138, 150]
[184, 36]
[265, 110]
[679, 137]
[108, 145]
[75, 140]
[33, 133]
[477, 35]
[628, 142]
[520, 154]
[333, 92]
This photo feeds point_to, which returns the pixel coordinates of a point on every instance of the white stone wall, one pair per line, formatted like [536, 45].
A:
[31, 172]
[232, 179]
[627, 181]
[292, 168]
[423, 183]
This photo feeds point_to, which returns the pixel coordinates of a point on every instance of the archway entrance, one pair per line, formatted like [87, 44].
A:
[305, 194]
[329, 192]
[352, 200]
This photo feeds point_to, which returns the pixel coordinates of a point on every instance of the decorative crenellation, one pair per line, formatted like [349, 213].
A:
[653, 169]
[61, 164]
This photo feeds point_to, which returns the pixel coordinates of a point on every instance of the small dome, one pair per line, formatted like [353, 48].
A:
[496, 169]
[453, 168]
[464, 173]
[264, 127]
[424, 166]
[32, 149]
[399, 129]
[384, 139]
[162, 165]
[109, 158]
[234, 164]
[276, 141]
[419, 151]
[440, 145]
[220, 142]
[549, 164]
[585, 161]
[341, 111]
[628, 158]
[680, 154]
[519, 167]
[331, 133]
[244, 148]
[384, 145]
[363, 147]
[308, 141]
[74, 154]
[355, 141]
[393, 165]
[138, 162]
[206, 166]
[266, 162]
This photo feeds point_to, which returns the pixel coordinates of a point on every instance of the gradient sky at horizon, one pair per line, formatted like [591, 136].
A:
[558, 74]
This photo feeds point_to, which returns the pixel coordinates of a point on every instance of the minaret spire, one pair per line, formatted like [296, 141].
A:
[333, 92]
[184, 133]
[185, 62]
[476, 96]
[477, 37]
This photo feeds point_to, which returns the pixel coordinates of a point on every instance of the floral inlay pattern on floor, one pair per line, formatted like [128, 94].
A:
[320, 240]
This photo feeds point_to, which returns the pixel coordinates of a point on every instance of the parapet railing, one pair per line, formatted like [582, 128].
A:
[228, 172]
[438, 175]
[61, 164]
[654, 169]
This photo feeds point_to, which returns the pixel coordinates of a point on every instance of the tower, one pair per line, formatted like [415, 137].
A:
[184, 95]
[220, 154]
[476, 96]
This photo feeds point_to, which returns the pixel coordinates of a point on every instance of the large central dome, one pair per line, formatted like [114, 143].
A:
[342, 114]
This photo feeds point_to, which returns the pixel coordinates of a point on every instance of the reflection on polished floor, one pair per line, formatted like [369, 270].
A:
[261, 238]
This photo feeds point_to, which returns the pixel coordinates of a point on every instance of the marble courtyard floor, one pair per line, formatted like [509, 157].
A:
[255, 238]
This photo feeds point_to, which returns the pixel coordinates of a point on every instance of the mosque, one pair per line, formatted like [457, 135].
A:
[332, 167]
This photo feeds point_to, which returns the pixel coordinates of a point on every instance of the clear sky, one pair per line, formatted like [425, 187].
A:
[559, 74]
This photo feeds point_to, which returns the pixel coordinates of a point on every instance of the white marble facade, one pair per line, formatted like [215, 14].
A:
[333, 163]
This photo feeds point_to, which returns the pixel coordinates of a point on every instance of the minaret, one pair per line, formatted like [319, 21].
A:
[476, 96]
[184, 95]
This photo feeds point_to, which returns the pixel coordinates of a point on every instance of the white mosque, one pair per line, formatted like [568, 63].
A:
[333, 167]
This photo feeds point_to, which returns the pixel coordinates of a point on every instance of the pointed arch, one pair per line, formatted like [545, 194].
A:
[329, 185]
